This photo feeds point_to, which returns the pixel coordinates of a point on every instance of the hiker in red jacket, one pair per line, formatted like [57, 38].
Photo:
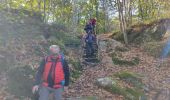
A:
[52, 75]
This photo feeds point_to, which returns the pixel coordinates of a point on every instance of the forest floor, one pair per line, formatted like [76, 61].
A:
[156, 77]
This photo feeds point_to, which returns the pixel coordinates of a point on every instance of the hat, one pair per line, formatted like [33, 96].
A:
[54, 49]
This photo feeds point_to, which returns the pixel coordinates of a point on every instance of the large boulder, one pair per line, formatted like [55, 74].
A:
[103, 82]
[106, 45]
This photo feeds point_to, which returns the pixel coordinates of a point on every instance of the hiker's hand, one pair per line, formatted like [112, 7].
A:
[35, 88]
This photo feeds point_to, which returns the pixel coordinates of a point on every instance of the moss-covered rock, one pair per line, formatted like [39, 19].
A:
[144, 32]
[154, 48]
[132, 78]
[114, 86]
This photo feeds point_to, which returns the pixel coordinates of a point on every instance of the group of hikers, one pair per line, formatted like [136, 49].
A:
[90, 37]
[53, 72]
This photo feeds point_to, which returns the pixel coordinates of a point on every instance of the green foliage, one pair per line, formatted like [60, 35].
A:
[78, 12]
[76, 70]
[20, 81]
[71, 41]
[121, 49]
[65, 38]
[75, 74]
[118, 61]
[76, 64]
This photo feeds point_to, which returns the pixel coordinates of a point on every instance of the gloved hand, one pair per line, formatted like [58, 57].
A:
[35, 88]
[63, 82]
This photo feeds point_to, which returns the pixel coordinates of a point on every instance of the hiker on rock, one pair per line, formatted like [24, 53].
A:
[52, 75]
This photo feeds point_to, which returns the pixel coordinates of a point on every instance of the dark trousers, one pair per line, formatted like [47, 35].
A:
[90, 49]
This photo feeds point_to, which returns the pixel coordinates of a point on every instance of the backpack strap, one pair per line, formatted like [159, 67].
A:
[62, 58]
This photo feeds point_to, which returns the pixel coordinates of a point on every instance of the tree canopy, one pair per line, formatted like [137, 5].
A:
[111, 15]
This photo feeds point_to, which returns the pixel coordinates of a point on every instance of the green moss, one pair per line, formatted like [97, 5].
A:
[76, 74]
[132, 78]
[135, 92]
[116, 60]
[127, 93]
[121, 49]
[124, 75]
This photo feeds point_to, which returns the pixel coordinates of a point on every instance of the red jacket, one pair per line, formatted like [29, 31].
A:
[55, 69]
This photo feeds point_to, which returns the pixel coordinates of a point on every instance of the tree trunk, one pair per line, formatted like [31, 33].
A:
[122, 19]
[104, 10]
[140, 9]
[97, 16]
[39, 5]
[44, 11]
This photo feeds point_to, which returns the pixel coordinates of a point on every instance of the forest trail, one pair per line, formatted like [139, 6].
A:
[156, 79]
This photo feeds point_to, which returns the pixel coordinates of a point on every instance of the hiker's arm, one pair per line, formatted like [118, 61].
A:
[66, 72]
[40, 72]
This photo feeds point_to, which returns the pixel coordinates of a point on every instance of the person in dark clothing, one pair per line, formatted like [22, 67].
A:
[53, 74]
[89, 40]
[88, 27]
